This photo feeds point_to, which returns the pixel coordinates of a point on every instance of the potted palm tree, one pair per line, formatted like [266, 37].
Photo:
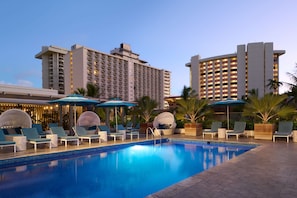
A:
[266, 111]
[192, 110]
[145, 108]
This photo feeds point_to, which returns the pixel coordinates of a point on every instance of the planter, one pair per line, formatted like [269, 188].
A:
[263, 131]
[144, 126]
[193, 129]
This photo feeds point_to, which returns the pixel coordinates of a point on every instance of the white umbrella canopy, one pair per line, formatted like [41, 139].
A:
[75, 100]
[229, 102]
[114, 103]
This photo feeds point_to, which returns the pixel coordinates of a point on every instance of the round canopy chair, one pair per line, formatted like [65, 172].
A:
[88, 119]
[14, 118]
[165, 122]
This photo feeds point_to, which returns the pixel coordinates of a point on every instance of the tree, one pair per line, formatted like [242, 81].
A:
[81, 91]
[188, 92]
[268, 107]
[191, 109]
[146, 107]
[273, 84]
[91, 91]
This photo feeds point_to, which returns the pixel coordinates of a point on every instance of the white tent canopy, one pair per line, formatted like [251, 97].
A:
[88, 118]
[165, 118]
[14, 118]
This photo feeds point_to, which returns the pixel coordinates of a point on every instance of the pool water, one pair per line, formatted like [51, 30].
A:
[134, 171]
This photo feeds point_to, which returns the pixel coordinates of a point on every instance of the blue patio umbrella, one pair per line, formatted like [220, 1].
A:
[229, 102]
[74, 100]
[114, 103]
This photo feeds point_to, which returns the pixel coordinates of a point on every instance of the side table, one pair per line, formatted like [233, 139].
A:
[221, 133]
[20, 141]
[53, 138]
[103, 136]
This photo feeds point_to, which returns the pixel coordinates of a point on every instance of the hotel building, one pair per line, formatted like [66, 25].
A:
[118, 74]
[234, 75]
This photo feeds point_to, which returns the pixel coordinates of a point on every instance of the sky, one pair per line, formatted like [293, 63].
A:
[165, 33]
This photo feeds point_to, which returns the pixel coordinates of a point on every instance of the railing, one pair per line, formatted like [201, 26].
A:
[155, 132]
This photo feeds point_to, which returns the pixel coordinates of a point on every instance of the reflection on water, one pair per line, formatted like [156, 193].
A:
[130, 172]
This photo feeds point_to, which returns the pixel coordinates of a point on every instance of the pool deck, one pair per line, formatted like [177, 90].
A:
[270, 170]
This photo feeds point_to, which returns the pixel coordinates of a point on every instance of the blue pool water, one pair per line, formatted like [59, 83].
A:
[134, 171]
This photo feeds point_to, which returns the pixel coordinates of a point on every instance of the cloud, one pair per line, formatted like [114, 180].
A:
[24, 83]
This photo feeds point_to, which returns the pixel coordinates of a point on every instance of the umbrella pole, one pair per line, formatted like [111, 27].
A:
[116, 118]
[74, 111]
[228, 118]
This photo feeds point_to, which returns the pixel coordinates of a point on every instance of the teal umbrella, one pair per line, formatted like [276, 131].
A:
[229, 102]
[115, 103]
[74, 100]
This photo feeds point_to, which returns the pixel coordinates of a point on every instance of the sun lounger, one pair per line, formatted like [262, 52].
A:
[110, 134]
[62, 136]
[5, 143]
[39, 130]
[82, 134]
[213, 130]
[34, 138]
[129, 132]
[132, 131]
[238, 130]
[285, 130]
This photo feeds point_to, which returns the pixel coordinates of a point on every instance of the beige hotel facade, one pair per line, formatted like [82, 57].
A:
[234, 75]
[118, 74]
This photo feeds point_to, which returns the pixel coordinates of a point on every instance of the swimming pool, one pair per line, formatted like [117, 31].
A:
[126, 171]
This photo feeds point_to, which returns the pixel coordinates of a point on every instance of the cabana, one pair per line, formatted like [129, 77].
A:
[165, 122]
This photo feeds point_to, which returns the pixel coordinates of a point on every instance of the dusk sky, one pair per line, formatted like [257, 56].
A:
[165, 33]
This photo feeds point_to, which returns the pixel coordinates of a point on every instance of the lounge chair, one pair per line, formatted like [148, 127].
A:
[213, 130]
[34, 138]
[39, 130]
[82, 134]
[109, 134]
[285, 129]
[129, 132]
[62, 136]
[4, 142]
[52, 124]
[238, 130]
[132, 131]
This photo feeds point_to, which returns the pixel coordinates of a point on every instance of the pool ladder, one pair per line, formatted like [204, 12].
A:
[155, 132]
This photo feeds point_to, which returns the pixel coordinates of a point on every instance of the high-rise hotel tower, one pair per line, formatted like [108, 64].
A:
[118, 74]
[234, 75]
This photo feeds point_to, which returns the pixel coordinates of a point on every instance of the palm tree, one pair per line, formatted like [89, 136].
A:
[146, 107]
[273, 84]
[191, 109]
[81, 91]
[91, 91]
[268, 107]
[188, 92]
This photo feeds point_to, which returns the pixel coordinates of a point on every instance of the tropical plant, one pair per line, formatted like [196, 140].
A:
[267, 108]
[192, 109]
[145, 108]
[81, 91]
[273, 84]
[188, 92]
[91, 91]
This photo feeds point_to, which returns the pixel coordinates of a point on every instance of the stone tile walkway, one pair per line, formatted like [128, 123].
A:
[269, 170]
